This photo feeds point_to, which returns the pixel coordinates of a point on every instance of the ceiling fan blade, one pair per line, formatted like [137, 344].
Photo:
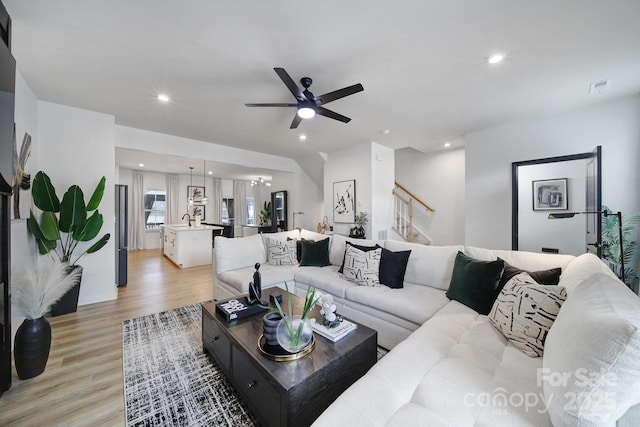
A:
[288, 81]
[337, 94]
[296, 121]
[332, 114]
[271, 105]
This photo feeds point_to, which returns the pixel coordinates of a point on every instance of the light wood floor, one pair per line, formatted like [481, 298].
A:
[82, 384]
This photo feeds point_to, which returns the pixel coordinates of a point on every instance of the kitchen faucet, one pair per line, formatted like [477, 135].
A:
[188, 217]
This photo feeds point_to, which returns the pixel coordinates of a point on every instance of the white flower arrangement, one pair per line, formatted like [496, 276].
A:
[328, 309]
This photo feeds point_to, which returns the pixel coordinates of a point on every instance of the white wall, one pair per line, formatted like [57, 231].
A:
[438, 179]
[372, 166]
[535, 230]
[77, 147]
[614, 125]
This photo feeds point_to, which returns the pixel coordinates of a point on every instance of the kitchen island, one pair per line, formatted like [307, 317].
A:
[189, 246]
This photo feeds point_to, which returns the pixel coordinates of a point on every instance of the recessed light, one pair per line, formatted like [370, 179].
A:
[386, 131]
[210, 172]
[141, 165]
[163, 97]
[447, 144]
[302, 137]
[494, 59]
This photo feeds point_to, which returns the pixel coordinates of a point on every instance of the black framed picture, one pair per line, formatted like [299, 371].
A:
[344, 201]
[195, 192]
[550, 194]
[195, 210]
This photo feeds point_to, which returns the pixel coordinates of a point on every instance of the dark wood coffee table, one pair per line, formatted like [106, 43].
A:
[292, 393]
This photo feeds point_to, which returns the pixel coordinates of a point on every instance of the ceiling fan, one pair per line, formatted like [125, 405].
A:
[307, 104]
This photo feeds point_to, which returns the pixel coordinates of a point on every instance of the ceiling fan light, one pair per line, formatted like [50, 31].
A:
[306, 112]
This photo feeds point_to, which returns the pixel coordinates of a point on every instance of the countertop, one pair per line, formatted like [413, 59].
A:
[185, 227]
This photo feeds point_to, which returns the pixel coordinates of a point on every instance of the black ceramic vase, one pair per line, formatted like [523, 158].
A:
[31, 347]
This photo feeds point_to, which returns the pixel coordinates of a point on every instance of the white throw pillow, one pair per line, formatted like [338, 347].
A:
[281, 253]
[591, 363]
[362, 267]
[524, 312]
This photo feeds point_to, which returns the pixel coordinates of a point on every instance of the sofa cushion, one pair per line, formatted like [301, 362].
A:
[270, 275]
[360, 247]
[281, 253]
[529, 261]
[428, 265]
[326, 279]
[362, 267]
[338, 247]
[524, 312]
[542, 277]
[414, 303]
[474, 283]
[239, 252]
[580, 269]
[315, 253]
[591, 373]
[393, 266]
[455, 370]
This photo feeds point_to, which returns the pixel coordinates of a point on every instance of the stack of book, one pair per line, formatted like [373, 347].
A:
[337, 332]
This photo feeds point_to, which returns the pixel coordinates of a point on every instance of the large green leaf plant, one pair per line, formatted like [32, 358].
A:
[611, 244]
[64, 224]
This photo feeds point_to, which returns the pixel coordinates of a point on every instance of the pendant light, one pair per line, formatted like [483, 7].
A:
[190, 199]
[204, 200]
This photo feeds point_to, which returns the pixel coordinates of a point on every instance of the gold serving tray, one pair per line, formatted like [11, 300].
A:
[285, 356]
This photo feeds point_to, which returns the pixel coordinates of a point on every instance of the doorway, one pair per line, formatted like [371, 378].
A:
[576, 184]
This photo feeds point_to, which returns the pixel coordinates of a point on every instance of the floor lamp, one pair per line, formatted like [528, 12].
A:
[618, 214]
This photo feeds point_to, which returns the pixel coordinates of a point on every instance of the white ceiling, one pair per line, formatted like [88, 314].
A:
[421, 62]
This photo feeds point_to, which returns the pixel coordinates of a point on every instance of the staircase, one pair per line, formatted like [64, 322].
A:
[412, 216]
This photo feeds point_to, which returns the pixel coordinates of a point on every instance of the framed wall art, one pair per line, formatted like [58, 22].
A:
[195, 192]
[195, 210]
[344, 201]
[550, 194]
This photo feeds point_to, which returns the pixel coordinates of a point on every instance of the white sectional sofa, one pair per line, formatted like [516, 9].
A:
[449, 366]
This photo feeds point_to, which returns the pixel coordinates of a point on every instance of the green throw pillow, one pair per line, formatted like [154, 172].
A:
[474, 283]
[315, 253]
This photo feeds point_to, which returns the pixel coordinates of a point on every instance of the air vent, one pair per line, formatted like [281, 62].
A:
[600, 86]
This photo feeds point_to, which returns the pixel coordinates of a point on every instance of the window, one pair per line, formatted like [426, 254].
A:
[250, 211]
[154, 208]
[227, 211]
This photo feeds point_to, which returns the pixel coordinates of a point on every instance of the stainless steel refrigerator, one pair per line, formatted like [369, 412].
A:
[121, 232]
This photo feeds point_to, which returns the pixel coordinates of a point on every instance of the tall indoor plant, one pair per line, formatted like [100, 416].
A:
[63, 225]
[35, 289]
[611, 244]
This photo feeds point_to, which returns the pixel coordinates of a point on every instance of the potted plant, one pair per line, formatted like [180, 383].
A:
[63, 225]
[611, 244]
[294, 332]
[35, 289]
[358, 231]
[265, 213]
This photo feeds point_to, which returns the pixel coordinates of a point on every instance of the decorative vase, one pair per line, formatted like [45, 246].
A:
[271, 321]
[31, 347]
[300, 336]
[69, 301]
[357, 232]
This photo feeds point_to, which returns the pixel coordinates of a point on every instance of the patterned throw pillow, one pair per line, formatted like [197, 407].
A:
[281, 253]
[525, 311]
[362, 267]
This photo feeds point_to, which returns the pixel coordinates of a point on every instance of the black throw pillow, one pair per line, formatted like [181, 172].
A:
[393, 265]
[474, 283]
[362, 248]
[315, 254]
[544, 277]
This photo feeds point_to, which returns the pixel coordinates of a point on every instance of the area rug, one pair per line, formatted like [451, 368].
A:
[168, 379]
